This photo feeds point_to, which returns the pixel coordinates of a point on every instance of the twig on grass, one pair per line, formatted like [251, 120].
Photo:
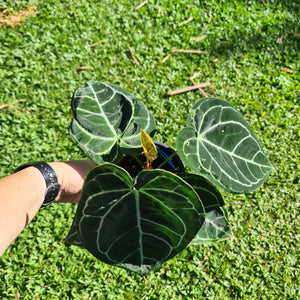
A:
[184, 22]
[211, 89]
[133, 56]
[193, 81]
[141, 5]
[97, 43]
[84, 68]
[16, 294]
[4, 105]
[287, 70]
[189, 88]
[11, 105]
[144, 277]
[200, 89]
[197, 39]
[195, 75]
[237, 72]
[160, 13]
[182, 51]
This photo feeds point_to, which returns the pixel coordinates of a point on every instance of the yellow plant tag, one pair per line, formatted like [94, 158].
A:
[150, 150]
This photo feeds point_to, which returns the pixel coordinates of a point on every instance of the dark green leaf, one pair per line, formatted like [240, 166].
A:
[216, 226]
[135, 224]
[107, 121]
[219, 143]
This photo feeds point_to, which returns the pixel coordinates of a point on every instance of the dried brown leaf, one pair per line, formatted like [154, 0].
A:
[13, 20]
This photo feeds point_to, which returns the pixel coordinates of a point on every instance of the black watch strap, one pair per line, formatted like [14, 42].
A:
[50, 179]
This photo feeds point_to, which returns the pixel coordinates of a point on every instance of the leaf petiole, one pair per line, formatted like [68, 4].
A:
[167, 159]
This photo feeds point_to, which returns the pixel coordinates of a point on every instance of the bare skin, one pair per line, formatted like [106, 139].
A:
[22, 194]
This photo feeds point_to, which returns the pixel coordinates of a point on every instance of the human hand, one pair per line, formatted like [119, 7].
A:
[71, 176]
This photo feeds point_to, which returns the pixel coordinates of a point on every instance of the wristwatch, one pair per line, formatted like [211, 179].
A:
[50, 179]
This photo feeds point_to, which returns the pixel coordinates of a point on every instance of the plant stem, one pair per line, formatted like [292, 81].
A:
[139, 161]
[167, 159]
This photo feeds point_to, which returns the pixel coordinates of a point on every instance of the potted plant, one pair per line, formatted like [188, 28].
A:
[138, 207]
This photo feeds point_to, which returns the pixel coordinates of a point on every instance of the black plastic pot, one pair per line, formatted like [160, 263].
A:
[173, 165]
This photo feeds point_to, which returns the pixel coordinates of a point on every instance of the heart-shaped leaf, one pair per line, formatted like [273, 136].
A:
[135, 224]
[216, 226]
[219, 143]
[107, 121]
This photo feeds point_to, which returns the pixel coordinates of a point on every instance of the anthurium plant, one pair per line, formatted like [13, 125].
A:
[139, 207]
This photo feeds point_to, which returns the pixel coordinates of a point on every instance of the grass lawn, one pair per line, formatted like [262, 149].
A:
[251, 58]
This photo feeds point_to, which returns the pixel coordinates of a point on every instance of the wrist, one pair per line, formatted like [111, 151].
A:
[70, 175]
[29, 181]
[50, 179]
[58, 169]
[40, 185]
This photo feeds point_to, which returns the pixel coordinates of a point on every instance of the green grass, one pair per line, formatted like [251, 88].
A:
[252, 59]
